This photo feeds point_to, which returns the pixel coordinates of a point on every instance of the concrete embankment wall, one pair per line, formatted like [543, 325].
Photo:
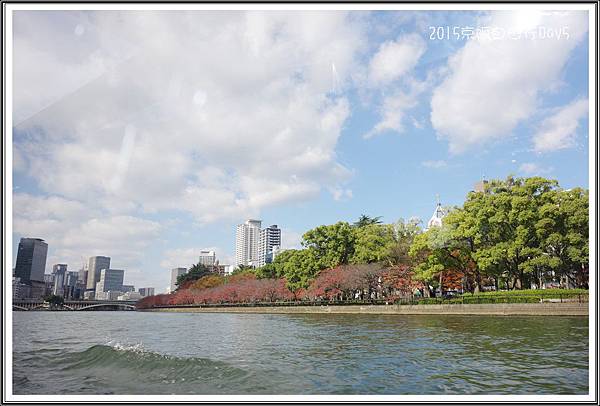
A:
[501, 309]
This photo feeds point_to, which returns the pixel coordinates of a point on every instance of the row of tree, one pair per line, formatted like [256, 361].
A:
[517, 232]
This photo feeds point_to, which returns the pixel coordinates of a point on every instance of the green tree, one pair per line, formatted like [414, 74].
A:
[404, 234]
[300, 269]
[373, 243]
[195, 272]
[365, 220]
[563, 232]
[331, 245]
[267, 271]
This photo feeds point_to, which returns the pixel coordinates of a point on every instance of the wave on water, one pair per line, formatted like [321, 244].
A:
[138, 368]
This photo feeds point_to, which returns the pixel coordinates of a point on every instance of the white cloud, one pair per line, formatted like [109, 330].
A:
[393, 113]
[494, 84]
[216, 114]
[395, 59]
[434, 164]
[558, 131]
[74, 232]
[531, 168]
[390, 72]
[186, 257]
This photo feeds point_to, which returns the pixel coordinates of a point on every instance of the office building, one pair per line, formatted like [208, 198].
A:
[111, 280]
[129, 296]
[207, 258]
[82, 275]
[31, 260]
[48, 284]
[59, 271]
[95, 265]
[128, 288]
[247, 238]
[146, 292]
[175, 272]
[20, 289]
[270, 238]
[71, 288]
[109, 295]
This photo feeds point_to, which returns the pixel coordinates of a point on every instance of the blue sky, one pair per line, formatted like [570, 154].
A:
[147, 137]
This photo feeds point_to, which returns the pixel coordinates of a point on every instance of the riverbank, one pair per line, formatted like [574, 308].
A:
[498, 309]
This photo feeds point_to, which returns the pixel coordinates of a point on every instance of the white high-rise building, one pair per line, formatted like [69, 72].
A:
[270, 238]
[207, 258]
[247, 238]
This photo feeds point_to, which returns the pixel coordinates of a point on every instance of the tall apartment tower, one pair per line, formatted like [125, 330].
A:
[247, 238]
[175, 272]
[270, 238]
[95, 265]
[60, 272]
[31, 260]
[207, 258]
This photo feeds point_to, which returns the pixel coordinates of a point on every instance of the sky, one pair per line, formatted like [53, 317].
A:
[148, 136]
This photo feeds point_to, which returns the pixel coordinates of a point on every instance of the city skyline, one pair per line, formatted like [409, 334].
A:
[363, 116]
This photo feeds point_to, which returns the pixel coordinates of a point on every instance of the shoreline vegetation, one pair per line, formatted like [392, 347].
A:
[499, 248]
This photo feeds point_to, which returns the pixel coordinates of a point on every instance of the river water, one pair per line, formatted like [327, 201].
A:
[195, 353]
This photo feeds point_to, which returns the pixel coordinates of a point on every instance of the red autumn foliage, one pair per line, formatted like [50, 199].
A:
[398, 281]
[345, 281]
[151, 301]
[452, 279]
[239, 289]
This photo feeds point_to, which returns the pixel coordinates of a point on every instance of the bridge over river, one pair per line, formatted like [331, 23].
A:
[74, 305]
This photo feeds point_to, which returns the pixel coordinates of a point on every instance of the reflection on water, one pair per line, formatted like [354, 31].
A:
[164, 353]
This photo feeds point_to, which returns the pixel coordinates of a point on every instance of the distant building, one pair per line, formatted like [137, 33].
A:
[128, 288]
[95, 265]
[436, 219]
[129, 296]
[31, 264]
[218, 269]
[72, 289]
[109, 295]
[276, 251]
[207, 258]
[59, 271]
[20, 290]
[146, 291]
[480, 186]
[270, 238]
[111, 280]
[48, 284]
[247, 238]
[175, 272]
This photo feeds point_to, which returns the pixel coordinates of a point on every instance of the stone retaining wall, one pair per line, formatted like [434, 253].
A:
[502, 309]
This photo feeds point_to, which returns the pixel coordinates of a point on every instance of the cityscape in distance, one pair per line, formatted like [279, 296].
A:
[96, 280]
